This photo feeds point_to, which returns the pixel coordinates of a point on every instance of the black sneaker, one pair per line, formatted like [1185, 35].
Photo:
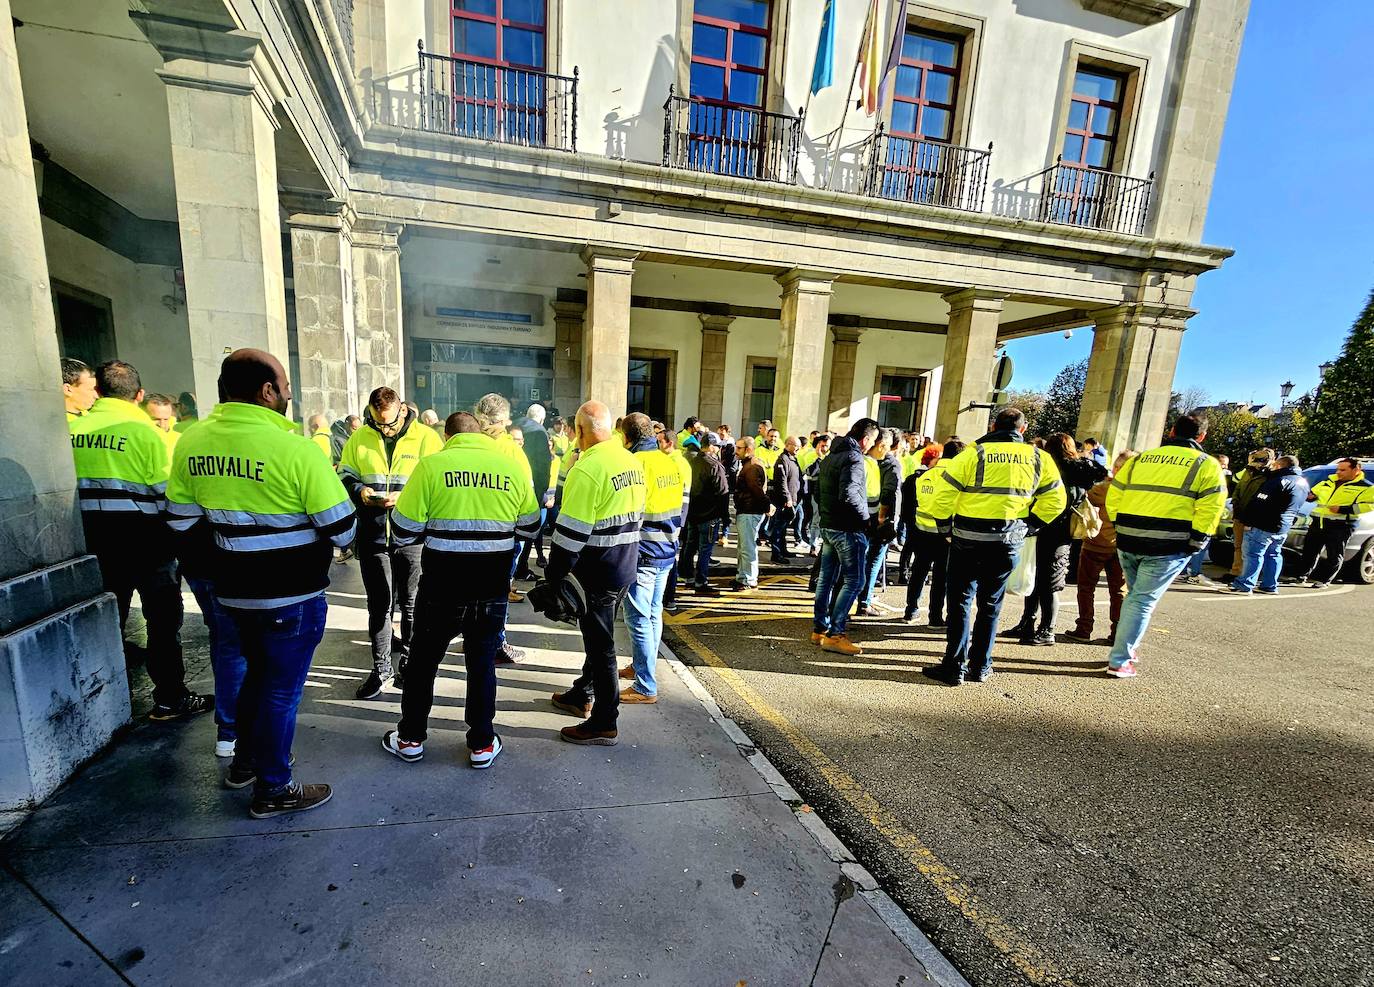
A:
[296, 798]
[979, 678]
[1020, 631]
[1076, 635]
[509, 654]
[1040, 639]
[398, 681]
[371, 687]
[938, 673]
[938, 623]
[909, 616]
[705, 589]
[190, 705]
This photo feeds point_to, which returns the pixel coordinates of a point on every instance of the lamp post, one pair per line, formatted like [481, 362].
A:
[1285, 389]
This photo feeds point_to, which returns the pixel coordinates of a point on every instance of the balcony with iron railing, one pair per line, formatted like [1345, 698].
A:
[932, 173]
[1075, 195]
[467, 98]
[724, 139]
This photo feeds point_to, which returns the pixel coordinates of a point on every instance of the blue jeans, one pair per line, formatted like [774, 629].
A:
[1195, 562]
[226, 658]
[747, 554]
[843, 555]
[438, 621]
[278, 646]
[1147, 577]
[644, 619]
[977, 571]
[873, 565]
[1263, 559]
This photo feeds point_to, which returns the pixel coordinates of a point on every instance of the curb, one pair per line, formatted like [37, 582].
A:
[939, 969]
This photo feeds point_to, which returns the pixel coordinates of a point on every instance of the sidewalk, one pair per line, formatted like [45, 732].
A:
[666, 859]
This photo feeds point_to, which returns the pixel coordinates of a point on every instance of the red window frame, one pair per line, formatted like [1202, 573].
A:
[920, 101]
[728, 64]
[1086, 132]
[501, 22]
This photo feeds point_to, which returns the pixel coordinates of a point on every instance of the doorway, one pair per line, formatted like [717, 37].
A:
[85, 324]
[453, 376]
[901, 394]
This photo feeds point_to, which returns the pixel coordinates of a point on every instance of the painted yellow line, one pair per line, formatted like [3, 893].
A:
[1022, 954]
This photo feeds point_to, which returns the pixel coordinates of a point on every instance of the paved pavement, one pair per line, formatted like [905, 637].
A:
[667, 859]
[1208, 823]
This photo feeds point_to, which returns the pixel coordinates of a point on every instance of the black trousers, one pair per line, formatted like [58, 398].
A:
[976, 570]
[930, 557]
[1328, 535]
[1051, 575]
[600, 669]
[440, 621]
[159, 592]
[392, 580]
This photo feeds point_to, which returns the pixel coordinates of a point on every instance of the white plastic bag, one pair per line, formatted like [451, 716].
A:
[1022, 579]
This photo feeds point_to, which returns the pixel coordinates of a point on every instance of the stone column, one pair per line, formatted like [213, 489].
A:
[844, 354]
[63, 691]
[1130, 376]
[322, 273]
[568, 318]
[377, 332]
[801, 349]
[970, 348]
[220, 97]
[715, 336]
[606, 336]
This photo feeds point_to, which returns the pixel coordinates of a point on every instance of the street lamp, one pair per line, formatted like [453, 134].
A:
[1324, 369]
[1285, 389]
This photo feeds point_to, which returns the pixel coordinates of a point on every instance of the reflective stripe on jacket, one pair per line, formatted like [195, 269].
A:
[597, 531]
[997, 488]
[364, 463]
[273, 505]
[664, 505]
[1167, 501]
[1343, 502]
[122, 460]
[467, 504]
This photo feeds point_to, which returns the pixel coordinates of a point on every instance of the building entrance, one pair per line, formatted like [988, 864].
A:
[452, 376]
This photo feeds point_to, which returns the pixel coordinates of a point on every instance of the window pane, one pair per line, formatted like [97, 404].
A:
[935, 123]
[903, 118]
[754, 12]
[1078, 116]
[708, 41]
[523, 11]
[908, 81]
[476, 6]
[750, 49]
[1104, 120]
[939, 87]
[474, 38]
[746, 88]
[924, 48]
[1097, 86]
[1073, 148]
[523, 47]
[708, 81]
[1099, 153]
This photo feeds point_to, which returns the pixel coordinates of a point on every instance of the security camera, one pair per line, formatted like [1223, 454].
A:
[1068, 334]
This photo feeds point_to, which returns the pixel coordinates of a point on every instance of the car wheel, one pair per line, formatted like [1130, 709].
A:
[1360, 569]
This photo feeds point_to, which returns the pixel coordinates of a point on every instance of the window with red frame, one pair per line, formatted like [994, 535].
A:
[1094, 119]
[498, 86]
[730, 41]
[923, 98]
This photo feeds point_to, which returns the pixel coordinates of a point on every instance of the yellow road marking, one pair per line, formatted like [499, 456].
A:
[1007, 940]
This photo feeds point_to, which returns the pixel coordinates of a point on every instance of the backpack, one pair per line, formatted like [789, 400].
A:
[1084, 520]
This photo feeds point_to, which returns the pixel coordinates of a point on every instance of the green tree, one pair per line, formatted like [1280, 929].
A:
[1342, 423]
[1234, 434]
[1063, 401]
[1031, 404]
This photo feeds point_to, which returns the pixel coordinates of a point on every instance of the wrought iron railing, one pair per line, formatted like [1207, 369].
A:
[1073, 195]
[912, 170]
[700, 135]
[496, 103]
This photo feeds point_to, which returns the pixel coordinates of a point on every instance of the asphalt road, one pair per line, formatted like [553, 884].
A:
[1211, 822]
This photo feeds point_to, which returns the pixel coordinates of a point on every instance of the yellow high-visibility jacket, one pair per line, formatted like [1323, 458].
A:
[1167, 501]
[597, 531]
[997, 489]
[1342, 502]
[122, 462]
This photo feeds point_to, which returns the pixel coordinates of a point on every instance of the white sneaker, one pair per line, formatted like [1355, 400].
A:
[484, 757]
[1318, 585]
[225, 748]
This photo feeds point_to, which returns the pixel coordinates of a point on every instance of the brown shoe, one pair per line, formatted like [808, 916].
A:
[840, 645]
[635, 696]
[561, 701]
[515, 596]
[296, 798]
[817, 637]
[628, 672]
[589, 738]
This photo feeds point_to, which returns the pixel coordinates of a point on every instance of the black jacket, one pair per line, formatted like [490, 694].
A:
[1278, 500]
[785, 487]
[539, 456]
[842, 490]
[710, 490]
[890, 490]
[1078, 476]
[908, 503]
[728, 462]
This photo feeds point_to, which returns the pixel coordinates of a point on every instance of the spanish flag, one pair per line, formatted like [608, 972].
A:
[871, 58]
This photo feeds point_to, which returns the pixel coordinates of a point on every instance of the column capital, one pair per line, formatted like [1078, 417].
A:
[383, 234]
[980, 299]
[715, 323]
[214, 56]
[845, 334]
[611, 260]
[802, 279]
[316, 212]
[1137, 313]
[568, 311]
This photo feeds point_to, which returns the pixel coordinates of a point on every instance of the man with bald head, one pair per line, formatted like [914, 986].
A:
[317, 427]
[596, 540]
[254, 498]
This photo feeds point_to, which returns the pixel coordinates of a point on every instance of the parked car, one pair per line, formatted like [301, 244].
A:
[1359, 554]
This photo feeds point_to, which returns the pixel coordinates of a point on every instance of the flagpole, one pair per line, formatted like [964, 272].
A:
[806, 106]
[848, 94]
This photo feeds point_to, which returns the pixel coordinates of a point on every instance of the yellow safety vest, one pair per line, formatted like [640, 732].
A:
[806, 455]
[275, 508]
[1343, 502]
[990, 488]
[364, 456]
[321, 439]
[767, 458]
[121, 460]
[565, 463]
[603, 500]
[665, 501]
[927, 486]
[873, 485]
[1166, 501]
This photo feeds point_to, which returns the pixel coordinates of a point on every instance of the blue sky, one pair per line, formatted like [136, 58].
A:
[1294, 196]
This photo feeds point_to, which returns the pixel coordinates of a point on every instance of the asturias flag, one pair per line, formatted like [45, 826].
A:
[823, 74]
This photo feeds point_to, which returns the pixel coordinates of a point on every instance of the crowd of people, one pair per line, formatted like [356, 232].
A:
[445, 519]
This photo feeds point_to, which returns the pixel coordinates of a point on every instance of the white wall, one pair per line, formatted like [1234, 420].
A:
[148, 334]
[651, 329]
